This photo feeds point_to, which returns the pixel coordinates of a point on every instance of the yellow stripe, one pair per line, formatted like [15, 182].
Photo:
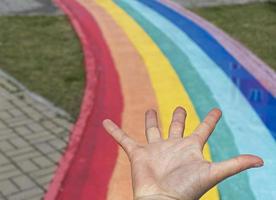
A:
[168, 88]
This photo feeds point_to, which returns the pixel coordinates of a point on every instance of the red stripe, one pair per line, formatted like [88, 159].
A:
[86, 167]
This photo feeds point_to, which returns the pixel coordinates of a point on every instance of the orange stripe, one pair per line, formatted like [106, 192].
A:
[135, 85]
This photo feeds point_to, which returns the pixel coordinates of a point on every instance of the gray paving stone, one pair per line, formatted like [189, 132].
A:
[57, 130]
[5, 146]
[42, 161]
[18, 152]
[35, 127]
[30, 111]
[27, 166]
[40, 107]
[41, 138]
[50, 114]
[5, 116]
[18, 103]
[22, 130]
[2, 197]
[9, 174]
[42, 172]
[23, 182]
[49, 124]
[26, 194]
[19, 121]
[45, 148]
[29, 155]
[6, 131]
[55, 157]
[45, 179]
[58, 144]
[3, 159]
[15, 112]
[2, 125]
[18, 142]
[7, 187]
[36, 197]
[28, 124]
[7, 167]
[8, 86]
[63, 123]
[7, 136]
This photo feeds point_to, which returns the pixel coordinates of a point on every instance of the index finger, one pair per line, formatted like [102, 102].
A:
[205, 128]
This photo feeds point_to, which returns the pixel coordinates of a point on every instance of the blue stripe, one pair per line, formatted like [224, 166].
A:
[260, 99]
[251, 136]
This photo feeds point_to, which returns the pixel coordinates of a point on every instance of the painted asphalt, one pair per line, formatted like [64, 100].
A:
[180, 70]
[34, 133]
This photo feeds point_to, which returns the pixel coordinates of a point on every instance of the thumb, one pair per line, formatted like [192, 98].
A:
[123, 139]
[222, 170]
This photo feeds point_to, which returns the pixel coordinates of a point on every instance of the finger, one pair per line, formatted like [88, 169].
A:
[178, 123]
[222, 170]
[123, 139]
[152, 130]
[205, 128]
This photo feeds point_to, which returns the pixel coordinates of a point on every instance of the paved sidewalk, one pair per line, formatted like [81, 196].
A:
[203, 3]
[28, 7]
[33, 135]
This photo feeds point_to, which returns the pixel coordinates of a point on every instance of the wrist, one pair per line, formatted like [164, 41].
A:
[157, 197]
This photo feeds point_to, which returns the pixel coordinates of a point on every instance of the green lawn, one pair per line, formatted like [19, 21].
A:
[44, 53]
[253, 24]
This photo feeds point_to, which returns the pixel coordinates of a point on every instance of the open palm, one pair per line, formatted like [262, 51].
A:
[175, 168]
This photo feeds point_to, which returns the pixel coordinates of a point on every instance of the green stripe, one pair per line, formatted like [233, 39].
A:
[221, 142]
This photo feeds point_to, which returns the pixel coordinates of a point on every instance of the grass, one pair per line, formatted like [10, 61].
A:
[44, 54]
[252, 24]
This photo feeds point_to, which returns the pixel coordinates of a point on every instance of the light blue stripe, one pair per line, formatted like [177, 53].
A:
[236, 187]
[263, 102]
[251, 136]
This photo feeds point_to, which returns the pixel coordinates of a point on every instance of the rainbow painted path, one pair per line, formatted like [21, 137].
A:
[153, 54]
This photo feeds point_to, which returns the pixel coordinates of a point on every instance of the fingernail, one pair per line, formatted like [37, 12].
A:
[259, 164]
[106, 121]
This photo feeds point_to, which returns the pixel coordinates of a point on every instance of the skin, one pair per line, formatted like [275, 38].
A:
[174, 169]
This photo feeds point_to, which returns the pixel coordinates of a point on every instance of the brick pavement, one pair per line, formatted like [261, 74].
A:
[203, 3]
[28, 7]
[33, 135]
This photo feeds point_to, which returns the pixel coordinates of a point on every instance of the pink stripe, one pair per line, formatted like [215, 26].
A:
[254, 65]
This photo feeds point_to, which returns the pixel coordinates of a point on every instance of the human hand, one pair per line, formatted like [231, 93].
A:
[175, 168]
